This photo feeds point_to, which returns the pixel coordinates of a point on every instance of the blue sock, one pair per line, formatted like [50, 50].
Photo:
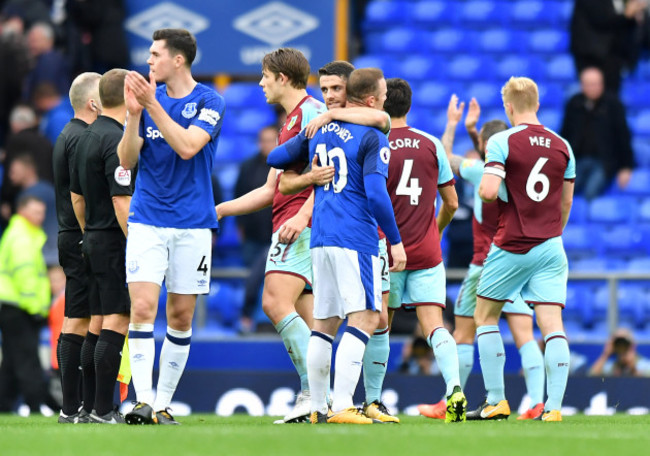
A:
[492, 355]
[295, 334]
[446, 353]
[556, 358]
[532, 361]
[465, 362]
[375, 361]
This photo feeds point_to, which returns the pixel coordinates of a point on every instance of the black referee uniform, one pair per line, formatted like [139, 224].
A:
[70, 258]
[99, 177]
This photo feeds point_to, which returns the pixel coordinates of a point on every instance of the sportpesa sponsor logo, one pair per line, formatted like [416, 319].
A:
[153, 133]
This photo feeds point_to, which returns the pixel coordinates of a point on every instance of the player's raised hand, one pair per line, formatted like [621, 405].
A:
[132, 105]
[398, 255]
[321, 175]
[143, 90]
[473, 113]
[455, 110]
[317, 122]
[292, 228]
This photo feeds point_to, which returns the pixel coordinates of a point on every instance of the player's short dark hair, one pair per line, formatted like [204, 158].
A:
[111, 88]
[491, 127]
[26, 158]
[26, 199]
[178, 41]
[362, 83]
[398, 97]
[290, 62]
[339, 68]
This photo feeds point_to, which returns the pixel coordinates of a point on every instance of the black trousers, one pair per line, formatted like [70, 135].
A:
[20, 371]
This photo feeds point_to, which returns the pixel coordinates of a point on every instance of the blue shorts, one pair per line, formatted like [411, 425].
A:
[383, 259]
[422, 287]
[466, 301]
[540, 275]
[293, 259]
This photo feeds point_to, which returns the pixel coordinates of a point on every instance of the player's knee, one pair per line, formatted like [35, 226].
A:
[142, 311]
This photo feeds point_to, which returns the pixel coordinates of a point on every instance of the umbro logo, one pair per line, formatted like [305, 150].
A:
[165, 15]
[275, 23]
[173, 365]
[380, 364]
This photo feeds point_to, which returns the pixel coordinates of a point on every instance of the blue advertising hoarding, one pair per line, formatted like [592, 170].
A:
[232, 36]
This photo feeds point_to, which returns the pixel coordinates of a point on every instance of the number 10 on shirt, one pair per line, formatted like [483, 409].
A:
[326, 158]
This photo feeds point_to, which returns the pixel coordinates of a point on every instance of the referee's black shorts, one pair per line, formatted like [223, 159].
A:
[105, 255]
[76, 275]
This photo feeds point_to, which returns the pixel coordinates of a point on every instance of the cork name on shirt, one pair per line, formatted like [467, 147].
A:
[341, 132]
[400, 143]
[540, 141]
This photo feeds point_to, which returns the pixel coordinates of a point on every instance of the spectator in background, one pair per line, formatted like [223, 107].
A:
[596, 127]
[55, 110]
[24, 306]
[620, 358]
[22, 173]
[13, 55]
[255, 229]
[604, 34]
[48, 64]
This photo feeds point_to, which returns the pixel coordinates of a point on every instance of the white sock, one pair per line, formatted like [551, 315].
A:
[347, 369]
[173, 357]
[319, 361]
[142, 351]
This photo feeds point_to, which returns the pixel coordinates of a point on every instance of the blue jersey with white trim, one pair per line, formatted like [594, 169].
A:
[341, 216]
[169, 191]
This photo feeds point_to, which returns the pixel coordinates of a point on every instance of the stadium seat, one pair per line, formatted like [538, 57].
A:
[451, 40]
[641, 123]
[565, 11]
[228, 233]
[639, 183]
[500, 40]
[561, 69]
[244, 95]
[382, 14]
[621, 240]
[518, 65]
[482, 13]
[551, 118]
[224, 302]
[641, 148]
[533, 13]
[487, 94]
[579, 210]
[635, 94]
[251, 121]
[387, 64]
[420, 68]
[578, 238]
[402, 41]
[432, 95]
[226, 150]
[644, 211]
[548, 41]
[227, 176]
[495, 114]
[611, 209]
[433, 13]
[639, 265]
[470, 67]
[551, 95]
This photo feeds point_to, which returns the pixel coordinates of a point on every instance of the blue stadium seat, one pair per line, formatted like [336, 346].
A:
[551, 95]
[227, 176]
[622, 240]
[593, 264]
[579, 210]
[641, 148]
[470, 68]
[533, 13]
[644, 211]
[452, 40]
[565, 11]
[244, 95]
[495, 114]
[639, 265]
[518, 65]
[387, 64]
[432, 95]
[576, 297]
[419, 68]
[641, 123]
[226, 150]
[421, 119]
[561, 69]
[578, 238]
[635, 94]
[228, 233]
[251, 121]
[548, 41]
[551, 118]
[433, 12]
[611, 209]
[224, 302]
[452, 291]
[501, 40]
[639, 183]
[487, 94]
[482, 13]
[401, 41]
[382, 14]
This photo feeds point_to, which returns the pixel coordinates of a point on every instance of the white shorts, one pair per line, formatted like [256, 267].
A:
[182, 257]
[345, 281]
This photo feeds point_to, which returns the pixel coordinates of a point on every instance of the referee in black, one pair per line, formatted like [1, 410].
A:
[84, 97]
[103, 193]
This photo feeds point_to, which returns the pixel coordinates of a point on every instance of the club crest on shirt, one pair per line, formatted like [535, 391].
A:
[292, 122]
[122, 176]
[133, 266]
[189, 110]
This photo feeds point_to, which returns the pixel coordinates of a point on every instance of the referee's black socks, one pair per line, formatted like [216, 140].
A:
[88, 370]
[69, 357]
[108, 355]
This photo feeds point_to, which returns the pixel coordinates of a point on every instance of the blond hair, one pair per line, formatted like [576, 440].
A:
[84, 87]
[521, 93]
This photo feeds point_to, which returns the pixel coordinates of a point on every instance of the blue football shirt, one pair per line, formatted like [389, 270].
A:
[169, 191]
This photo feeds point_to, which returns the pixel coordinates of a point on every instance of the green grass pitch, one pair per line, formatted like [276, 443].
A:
[244, 435]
